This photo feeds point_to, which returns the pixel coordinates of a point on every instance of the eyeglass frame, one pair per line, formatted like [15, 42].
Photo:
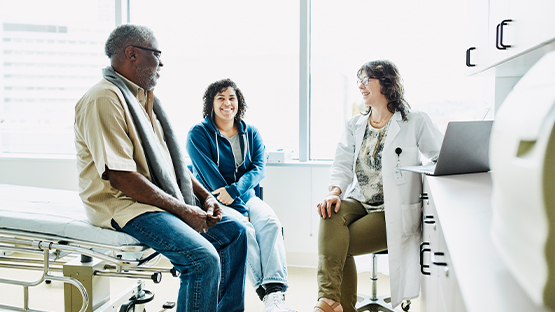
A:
[367, 80]
[149, 49]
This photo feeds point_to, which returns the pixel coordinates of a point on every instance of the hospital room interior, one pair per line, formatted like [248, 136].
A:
[481, 71]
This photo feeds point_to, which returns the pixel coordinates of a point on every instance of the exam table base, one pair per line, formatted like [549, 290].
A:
[97, 287]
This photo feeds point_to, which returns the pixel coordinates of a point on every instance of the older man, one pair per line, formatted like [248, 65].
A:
[132, 178]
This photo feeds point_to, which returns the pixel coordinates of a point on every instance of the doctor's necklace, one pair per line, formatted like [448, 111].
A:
[380, 122]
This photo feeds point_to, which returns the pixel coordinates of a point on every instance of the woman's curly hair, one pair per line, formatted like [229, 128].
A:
[391, 85]
[220, 86]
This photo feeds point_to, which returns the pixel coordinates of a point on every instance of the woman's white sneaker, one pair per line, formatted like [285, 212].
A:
[275, 302]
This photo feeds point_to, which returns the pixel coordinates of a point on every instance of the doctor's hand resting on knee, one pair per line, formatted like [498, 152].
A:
[372, 205]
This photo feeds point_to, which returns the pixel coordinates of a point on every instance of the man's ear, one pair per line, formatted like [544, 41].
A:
[130, 53]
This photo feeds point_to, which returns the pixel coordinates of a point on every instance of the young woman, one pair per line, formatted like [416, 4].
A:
[228, 159]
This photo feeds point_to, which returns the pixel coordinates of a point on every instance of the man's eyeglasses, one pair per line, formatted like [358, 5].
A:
[364, 80]
[157, 53]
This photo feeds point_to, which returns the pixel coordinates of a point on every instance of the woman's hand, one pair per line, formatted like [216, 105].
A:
[331, 201]
[223, 196]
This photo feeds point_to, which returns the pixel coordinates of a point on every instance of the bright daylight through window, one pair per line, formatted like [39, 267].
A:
[254, 43]
[48, 59]
[426, 47]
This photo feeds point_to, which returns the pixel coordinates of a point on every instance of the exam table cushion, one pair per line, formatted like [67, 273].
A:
[53, 212]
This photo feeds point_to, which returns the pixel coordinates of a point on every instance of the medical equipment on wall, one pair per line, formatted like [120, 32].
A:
[52, 224]
[522, 158]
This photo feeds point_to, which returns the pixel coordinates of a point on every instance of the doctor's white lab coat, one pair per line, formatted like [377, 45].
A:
[403, 205]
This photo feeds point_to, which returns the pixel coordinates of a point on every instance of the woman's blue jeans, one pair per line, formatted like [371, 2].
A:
[266, 261]
[212, 264]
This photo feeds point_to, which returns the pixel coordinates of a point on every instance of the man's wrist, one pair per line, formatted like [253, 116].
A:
[209, 197]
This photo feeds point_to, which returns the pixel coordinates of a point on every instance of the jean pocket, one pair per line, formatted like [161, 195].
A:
[411, 216]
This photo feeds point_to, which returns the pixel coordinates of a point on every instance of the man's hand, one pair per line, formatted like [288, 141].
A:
[195, 217]
[223, 196]
[214, 212]
[142, 190]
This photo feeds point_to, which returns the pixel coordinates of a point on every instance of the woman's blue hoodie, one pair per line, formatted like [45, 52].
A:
[214, 163]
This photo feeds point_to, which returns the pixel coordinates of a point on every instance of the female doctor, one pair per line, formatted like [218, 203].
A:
[372, 205]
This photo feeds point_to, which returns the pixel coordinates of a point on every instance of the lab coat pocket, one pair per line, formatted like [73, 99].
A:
[411, 216]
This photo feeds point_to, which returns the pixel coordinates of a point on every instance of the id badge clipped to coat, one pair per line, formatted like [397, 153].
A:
[398, 174]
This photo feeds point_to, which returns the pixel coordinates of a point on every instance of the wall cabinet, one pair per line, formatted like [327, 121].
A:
[499, 30]
[477, 36]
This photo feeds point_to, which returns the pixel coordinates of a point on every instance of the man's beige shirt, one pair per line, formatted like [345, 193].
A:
[106, 136]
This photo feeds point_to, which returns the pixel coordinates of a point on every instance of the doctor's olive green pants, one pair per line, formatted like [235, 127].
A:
[349, 232]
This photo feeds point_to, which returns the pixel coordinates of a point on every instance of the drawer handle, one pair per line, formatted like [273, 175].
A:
[423, 196]
[422, 251]
[434, 261]
[468, 57]
[429, 220]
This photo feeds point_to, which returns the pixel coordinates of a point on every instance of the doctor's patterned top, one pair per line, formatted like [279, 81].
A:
[368, 169]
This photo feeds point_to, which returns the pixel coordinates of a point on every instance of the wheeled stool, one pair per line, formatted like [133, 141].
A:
[373, 302]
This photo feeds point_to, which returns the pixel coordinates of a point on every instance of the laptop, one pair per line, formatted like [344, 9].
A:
[465, 149]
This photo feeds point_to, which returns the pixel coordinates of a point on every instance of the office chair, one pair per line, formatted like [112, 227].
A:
[373, 302]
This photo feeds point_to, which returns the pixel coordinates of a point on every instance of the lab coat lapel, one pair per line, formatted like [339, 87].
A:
[394, 129]
[360, 129]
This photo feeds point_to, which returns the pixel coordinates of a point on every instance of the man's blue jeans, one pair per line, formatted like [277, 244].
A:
[212, 264]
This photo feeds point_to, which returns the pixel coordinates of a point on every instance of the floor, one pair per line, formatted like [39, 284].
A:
[301, 295]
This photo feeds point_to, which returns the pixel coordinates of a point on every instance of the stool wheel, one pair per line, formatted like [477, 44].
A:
[405, 307]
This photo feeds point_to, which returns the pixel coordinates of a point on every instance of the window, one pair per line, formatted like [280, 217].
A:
[255, 43]
[423, 38]
[46, 68]
[49, 60]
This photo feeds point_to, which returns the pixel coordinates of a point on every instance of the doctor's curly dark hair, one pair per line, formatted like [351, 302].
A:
[391, 85]
[220, 86]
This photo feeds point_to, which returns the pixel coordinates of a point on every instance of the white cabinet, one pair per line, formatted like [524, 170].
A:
[440, 290]
[500, 30]
[470, 275]
[429, 284]
[476, 36]
[534, 24]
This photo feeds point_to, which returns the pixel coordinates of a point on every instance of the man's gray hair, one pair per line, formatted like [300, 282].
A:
[126, 35]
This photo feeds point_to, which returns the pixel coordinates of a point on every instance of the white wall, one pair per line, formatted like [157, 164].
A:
[291, 189]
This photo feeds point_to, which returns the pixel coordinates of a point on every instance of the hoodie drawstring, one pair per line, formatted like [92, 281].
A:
[245, 153]
[217, 150]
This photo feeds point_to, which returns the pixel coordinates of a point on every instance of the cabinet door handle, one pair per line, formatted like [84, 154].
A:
[422, 251]
[499, 35]
[504, 22]
[423, 196]
[429, 219]
[497, 38]
[434, 261]
[468, 57]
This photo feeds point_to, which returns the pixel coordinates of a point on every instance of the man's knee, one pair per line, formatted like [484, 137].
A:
[208, 259]
[237, 228]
